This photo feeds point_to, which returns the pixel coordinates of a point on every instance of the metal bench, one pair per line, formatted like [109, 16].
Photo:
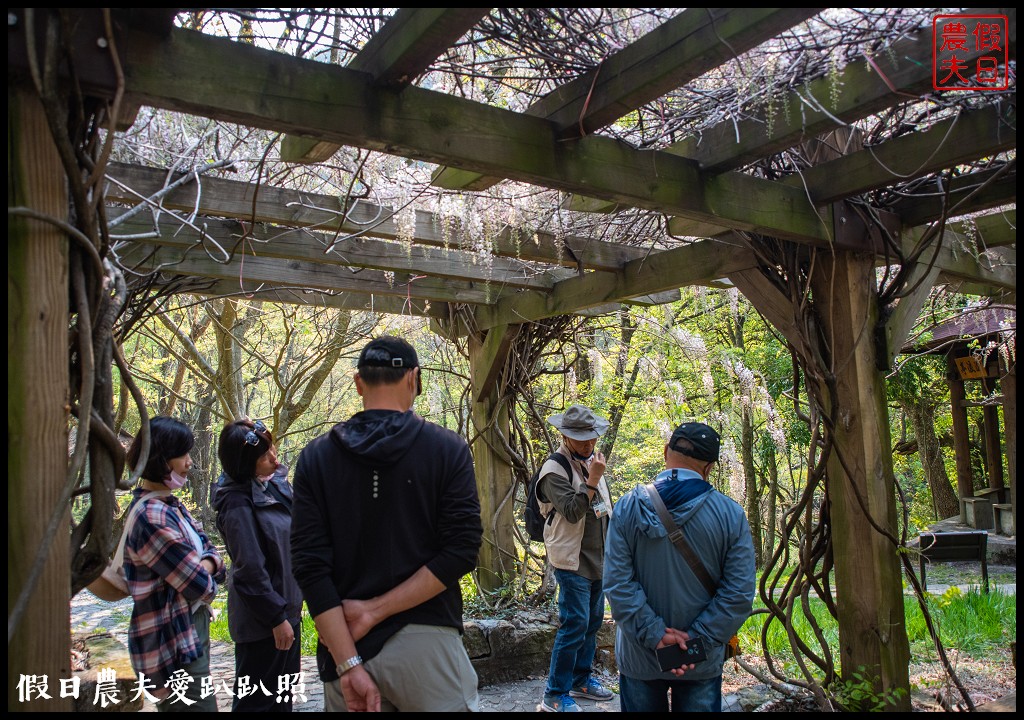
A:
[951, 546]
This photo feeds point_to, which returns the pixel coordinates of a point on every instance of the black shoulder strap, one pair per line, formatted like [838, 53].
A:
[561, 460]
[679, 540]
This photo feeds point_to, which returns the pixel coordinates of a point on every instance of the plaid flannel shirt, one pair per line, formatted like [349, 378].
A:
[165, 577]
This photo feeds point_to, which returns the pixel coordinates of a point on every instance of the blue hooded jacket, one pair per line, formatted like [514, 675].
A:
[650, 586]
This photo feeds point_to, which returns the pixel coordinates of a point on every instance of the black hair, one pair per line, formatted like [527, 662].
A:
[237, 457]
[168, 439]
[373, 375]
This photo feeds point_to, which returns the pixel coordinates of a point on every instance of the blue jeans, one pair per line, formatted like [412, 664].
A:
[580, 614]
[687, 695]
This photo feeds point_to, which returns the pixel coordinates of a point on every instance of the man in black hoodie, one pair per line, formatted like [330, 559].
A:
[386, 521]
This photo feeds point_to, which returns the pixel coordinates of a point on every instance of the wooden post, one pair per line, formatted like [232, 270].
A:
[494, 478]
[993, 449]
[872, 629]
[37, 414]
[1009, 386]
[961, 436]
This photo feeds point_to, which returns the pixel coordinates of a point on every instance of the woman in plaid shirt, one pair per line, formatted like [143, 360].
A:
[172, 571]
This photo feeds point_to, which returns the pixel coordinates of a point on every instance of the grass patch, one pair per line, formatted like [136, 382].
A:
[219, 627]
[973, 623]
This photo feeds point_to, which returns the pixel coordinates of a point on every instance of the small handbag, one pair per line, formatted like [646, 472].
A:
[112, 585]
[732, 648]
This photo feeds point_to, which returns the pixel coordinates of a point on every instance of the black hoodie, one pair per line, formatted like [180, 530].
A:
[377, 498]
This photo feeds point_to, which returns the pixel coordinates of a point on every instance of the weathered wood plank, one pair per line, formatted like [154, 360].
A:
[300, 273]
[493, 354]
[872, 624]
[266, 89]
[411, 40]
[908, 70]
[224, 236]
[265, 203]
[294, 295]
[689, 265]
[37, 396]
[977, 191]
[677, 51]
[996, 267]
[903, 316]
[969, 136]
[406, 46]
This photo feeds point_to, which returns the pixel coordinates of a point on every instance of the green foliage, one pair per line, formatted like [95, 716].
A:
[857, 693]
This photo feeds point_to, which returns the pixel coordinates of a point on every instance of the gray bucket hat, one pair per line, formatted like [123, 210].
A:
[579, 423]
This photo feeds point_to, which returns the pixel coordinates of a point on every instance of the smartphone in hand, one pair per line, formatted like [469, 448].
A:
[672, 656]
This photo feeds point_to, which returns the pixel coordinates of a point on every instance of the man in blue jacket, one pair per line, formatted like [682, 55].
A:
[657, 600]
[386, 521]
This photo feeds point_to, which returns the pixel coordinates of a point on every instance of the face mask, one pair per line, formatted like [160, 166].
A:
[581, 458]
[175, 481]
[265, 478]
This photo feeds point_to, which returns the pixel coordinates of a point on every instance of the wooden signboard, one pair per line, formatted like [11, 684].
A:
[969, 368]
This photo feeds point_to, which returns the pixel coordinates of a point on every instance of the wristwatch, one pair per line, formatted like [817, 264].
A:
[352, 662]
[593, 487]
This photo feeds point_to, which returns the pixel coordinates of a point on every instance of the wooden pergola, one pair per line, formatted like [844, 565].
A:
[732, 219]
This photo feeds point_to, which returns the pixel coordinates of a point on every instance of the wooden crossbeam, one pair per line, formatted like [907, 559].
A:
[693, 264]
[224, 237]
[969, 136]
[676, 52]
[262, 88]
[907, 69]
[293, 295]
[971, 193]
[406, 46]
[996, 267]
[281, 206]
[248, 272]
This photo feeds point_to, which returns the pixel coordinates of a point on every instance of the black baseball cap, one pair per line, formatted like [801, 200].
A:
[705, 441]
[388, 351]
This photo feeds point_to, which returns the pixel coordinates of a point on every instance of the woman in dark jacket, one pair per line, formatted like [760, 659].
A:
[253, 501]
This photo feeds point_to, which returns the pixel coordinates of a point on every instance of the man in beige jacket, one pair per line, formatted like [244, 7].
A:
[577, 509]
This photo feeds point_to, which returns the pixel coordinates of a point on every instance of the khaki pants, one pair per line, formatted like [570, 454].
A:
[421, 668]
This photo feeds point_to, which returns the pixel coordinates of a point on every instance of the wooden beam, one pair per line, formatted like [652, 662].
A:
[294, 295]
[971, 193]
[907, 69]
[411, 40]
[249, 272]
[996, 267]
[670, 56]
[492, 357]
[968, 136]
[262, 88]
[903, 316]
[294, 208]
[670, 269]
[405, 47]
[223, 237]
[773, 304]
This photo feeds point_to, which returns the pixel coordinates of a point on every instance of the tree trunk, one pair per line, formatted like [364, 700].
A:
[944, 499]
[750, 482]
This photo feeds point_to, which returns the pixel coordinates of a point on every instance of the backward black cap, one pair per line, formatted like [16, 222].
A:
[388, 351]
[705, 441]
